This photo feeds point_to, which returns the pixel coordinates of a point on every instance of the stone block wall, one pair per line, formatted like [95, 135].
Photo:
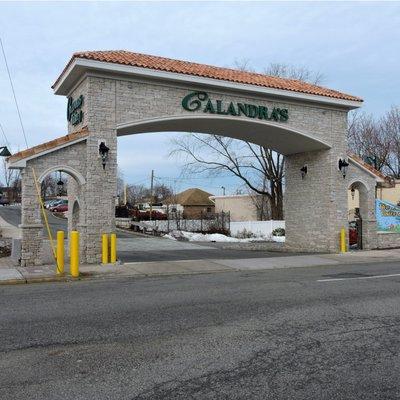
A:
[388, 240]
[69, 159]
[315, 208]
[365, 183]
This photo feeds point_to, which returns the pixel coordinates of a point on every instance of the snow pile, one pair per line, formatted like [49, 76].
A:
[212, 237]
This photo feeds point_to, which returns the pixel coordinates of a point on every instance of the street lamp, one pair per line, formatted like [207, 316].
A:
[4, 151]
[60, 185]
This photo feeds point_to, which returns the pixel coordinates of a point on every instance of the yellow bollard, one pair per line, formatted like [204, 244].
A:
[113, 255]
[104, 253]
[343, 240]
[74, 254]
[60, 252]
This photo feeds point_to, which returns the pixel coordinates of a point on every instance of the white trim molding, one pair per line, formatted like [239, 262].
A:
[276, 136]
[64, 168]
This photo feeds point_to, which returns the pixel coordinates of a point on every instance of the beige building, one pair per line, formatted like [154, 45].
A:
[241, 207]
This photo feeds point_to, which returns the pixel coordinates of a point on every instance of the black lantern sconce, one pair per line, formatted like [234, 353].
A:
[343, 165]
[303, 171]
[60, 185]
[103, 151]
[4, 151]
[353, 192]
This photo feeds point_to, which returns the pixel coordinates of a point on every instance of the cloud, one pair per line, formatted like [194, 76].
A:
[355, 45]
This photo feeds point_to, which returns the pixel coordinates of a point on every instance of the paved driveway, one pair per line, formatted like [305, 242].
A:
[134, 247]
[139, 248]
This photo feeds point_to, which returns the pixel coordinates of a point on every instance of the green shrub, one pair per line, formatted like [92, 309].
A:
[278, 232]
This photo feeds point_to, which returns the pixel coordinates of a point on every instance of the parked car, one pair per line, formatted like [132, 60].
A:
[60, 208]
[4, 202]
[55, 202]
[49, 203]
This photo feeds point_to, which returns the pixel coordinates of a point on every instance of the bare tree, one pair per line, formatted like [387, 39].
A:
[140, 193]
[282, 70]
[390, 128]
[377, 141]
[260, 168]
[294, 72]
[8, 175]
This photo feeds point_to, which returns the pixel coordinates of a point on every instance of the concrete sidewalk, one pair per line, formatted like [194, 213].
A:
[11, 275]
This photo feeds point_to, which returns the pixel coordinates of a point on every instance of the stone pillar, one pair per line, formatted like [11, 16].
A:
[368, 215]
[315, 207]
[101, 183]
[31, 224]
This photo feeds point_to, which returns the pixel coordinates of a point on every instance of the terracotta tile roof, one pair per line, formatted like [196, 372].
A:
[369, 167]
[207, 71]
[48, 145]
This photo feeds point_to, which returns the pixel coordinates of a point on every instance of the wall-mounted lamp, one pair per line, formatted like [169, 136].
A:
[343, 165]
[353, 192]
[4, 152]
[103, 151]
[303, 171]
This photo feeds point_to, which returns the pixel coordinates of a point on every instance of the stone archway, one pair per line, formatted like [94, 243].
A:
[118, 93]
[65, 155]
[364, 209]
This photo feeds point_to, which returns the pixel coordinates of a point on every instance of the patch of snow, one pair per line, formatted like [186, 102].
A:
[168, 236]
[211, 237]
[280, 239]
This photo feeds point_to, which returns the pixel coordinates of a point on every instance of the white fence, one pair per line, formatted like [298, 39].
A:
[259, 228]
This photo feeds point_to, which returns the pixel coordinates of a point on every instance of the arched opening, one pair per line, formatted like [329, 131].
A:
[358, 214]
[280, 137]
[60, 189]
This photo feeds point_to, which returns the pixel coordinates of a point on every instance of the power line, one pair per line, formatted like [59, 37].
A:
[4, 135]
[15, 97]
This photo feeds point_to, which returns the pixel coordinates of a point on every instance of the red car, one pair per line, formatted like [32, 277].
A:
[353, 234]
[59, 208]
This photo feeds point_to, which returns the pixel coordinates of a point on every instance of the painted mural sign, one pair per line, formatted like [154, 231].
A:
[387, 216]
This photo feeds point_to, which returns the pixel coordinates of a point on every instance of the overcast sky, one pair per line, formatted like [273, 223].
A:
[355, 45]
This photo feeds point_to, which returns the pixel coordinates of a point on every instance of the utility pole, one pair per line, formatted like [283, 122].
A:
[151, 192]
[125, 194]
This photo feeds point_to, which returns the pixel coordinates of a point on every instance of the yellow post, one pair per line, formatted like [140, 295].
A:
[104, 253]
[60, 252]
[343, 240]
[113, 255]
[74, 254]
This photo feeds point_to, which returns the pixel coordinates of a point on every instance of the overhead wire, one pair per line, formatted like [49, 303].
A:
[13, 91]
[7, 143]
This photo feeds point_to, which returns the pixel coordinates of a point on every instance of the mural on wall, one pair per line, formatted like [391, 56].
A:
[387, 216]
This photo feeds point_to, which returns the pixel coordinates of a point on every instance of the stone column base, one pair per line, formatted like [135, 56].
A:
[31, 244]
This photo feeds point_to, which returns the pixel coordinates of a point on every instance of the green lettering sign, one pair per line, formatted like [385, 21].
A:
[74, 112]
[201, 101]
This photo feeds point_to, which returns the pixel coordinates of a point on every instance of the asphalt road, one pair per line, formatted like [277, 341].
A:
[277, 334]
[12, 214]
